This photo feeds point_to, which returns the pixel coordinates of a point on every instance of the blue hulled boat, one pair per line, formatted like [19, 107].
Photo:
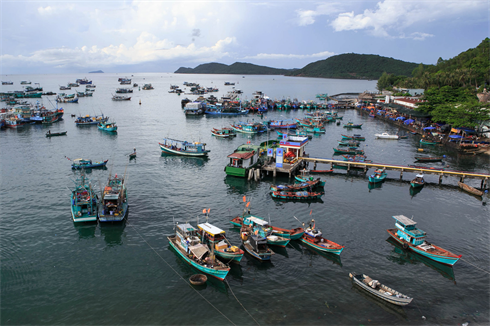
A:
[114, 205]
[187, 244]
[378, 176]
[80, 163]
[407, 234]
[83, 201]
[107, 126]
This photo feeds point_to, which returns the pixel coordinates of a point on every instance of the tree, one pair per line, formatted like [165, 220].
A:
[466, 114]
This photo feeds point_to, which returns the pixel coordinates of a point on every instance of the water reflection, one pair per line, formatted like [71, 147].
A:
[280, 251]
[85, 230]
[375, 186]
[386, 306]
[402, 256]
[112, 232]
[239, 185]
[188, 161]
[252, 262]
[414, 191]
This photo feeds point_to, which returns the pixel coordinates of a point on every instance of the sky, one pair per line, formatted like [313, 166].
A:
[161, 36]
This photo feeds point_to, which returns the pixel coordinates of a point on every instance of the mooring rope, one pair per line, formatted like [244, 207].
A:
[241, 303]
[185, 279]
[475, 266]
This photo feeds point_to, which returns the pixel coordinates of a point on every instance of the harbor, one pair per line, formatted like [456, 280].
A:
[134, 265]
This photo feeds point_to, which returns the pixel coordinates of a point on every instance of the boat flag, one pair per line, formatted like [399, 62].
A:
[244, 198]
[209, 210]
[247, 204]
[311, 211]
[204, 211]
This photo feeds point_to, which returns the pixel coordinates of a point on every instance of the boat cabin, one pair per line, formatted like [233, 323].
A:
[193, 108]
[211, 232]
[408, 231]
[294, 146]
[258, 243]
[188, 236]
[244, 157]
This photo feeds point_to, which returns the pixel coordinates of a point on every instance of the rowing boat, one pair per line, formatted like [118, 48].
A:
[470, 189]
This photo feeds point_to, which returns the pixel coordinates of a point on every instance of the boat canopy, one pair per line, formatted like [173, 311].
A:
[402, 219]
[241, 155]
[258, 221]
[211, 229]
[419, 175]
[199, 250]
[186, 227]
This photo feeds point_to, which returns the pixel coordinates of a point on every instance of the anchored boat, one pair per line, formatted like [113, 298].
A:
[182, 147]
[378, 176]
[114, 203]
[407, 234]
[80, 163]
[83, 201]
[418, 182]
[217, 240]
[379, 290]
[293, 234]
[187, 244]
[314, 239]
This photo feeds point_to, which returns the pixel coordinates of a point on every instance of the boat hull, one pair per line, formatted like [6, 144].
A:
[388, 298]
[90, 166]
[260, 256]
[236, 257]
[115, 217]
[83, 218]
[184, 153]
[336, 250]
[219, 274]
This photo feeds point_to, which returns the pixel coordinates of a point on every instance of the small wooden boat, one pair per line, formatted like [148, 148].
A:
[349, 143]
[418, 182]
[321, 171]
[470, 189]
[53, 134]
[87, 164]
[107, 126]
[298, 186]
[198, 279]
[429, 158]
[298, 195]
[425, 167]
[356, 158]
[352, 125]
[378, 176]
[410, 237]
[293, 234]
[314, 238]
[354, 137]
[428, 142]
[132, 155]
[223, 132]
[305, 177]
[351, 151]
[379, 290]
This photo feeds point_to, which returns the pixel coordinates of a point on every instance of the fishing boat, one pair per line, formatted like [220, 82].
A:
[298, 195]
[428, 142]
[249, 127]
[386, 135]
[25, 82]
[425, 167]
[255, 244]
[282, 124]
[107, 126]
[418, 182]
[216, 239]
[351, 151]
[352, 125]
[146, 86]
[114, 203]
[356, 158]
[314, 130]
[298, 186]
[90, 120]
[80, 163]
[187, 244]
[244, 158]
[193, 108]
[429, 158]
[265, 230]
[182, 147]
[219, 110]
[378, 176]
[223, 132]
[54, 134]
[354, 137]
[304, 177]
[73, 85]
[121, 98]
[407, 234]
[124, 90]
[379, 290]
[83, 81]
[350, 143]
[64, 88]
[83, 201]
[132, 155]
[67, 100]
[314, 238]
[293, 234]
[470, 189]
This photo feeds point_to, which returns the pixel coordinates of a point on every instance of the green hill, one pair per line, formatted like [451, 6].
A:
[355, 66]
[238, 68]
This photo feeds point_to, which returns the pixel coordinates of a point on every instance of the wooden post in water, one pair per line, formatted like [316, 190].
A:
[314, 166]
[401, 174]
[274, 172]
[440, 178]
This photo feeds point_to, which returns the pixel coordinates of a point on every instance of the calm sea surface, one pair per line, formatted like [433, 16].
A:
[56, 272]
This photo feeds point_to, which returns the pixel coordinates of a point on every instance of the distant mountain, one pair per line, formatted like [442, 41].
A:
[355, 66]
[238, 68]
[96, 72]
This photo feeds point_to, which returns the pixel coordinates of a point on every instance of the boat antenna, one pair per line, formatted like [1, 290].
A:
[299, 220]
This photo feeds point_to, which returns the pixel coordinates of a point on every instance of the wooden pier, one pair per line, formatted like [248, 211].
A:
[365, 166]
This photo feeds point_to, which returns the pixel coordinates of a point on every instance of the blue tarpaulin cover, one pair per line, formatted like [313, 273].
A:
[400, 118]
[429, 128]
[409, 121]
[455, 136]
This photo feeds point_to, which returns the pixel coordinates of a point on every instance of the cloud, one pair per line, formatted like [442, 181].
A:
[148, 48]
[307, 17]
[267, 56]
[390, 17]
[45, 11]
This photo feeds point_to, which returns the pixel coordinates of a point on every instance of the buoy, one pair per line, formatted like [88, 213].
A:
[420, 149]
[140, 102]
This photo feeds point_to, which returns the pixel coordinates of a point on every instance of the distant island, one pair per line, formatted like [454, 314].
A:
[96, 72]
[343, 66]
[238, 68]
